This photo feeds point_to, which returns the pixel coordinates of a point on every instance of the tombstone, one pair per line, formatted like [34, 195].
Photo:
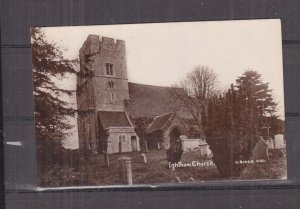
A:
[192, 179]
[192, 143]
[260, 150]
[144, 158]
[204, 150]
[279, 142]
[125, 170]
[145, 145]
[141, 159]
[270, 143]
[178, 179]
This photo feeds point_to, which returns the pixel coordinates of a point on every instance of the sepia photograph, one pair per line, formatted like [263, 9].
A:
[159, 103]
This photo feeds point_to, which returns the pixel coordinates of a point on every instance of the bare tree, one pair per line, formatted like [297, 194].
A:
[199, 86]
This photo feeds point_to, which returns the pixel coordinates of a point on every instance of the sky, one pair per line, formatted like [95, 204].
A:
[163, 53]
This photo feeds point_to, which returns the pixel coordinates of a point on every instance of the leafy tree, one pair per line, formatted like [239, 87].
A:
[255, 99]
[235, 122]
[51, 111]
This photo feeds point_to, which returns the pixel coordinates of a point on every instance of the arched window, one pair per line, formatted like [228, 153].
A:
[109, 69]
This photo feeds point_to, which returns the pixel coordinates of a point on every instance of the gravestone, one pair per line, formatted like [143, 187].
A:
[144, 158]
[260, 150]
[279, 142]
[178, 180]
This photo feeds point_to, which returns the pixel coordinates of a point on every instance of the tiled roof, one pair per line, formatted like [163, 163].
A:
[149, 101]
[113, 119]
[159, 122]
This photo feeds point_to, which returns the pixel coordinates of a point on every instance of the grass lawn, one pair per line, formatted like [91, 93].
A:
[155, 171]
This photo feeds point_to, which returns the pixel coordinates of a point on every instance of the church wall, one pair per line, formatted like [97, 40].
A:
[113, 140]
[85, 95]
[87, 131]
[102, 51]
[86, 119]
[95, 94]
[104, 100]
[113, 52]
[167, 131]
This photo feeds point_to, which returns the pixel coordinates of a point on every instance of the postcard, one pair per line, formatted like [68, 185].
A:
[159, 103]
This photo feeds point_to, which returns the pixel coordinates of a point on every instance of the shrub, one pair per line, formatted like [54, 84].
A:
[229, 151]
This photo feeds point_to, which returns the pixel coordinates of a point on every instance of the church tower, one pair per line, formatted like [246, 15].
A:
[102, 87]
[105, 60]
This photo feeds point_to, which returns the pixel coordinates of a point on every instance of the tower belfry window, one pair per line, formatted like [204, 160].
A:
[110, 84]
[109, 69]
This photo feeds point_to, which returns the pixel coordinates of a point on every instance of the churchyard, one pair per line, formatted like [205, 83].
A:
[194, 169]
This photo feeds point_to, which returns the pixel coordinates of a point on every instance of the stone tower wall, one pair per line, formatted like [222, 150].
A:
[102, 51]
[93, 92]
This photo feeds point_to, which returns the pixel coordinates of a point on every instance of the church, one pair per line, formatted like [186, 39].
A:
[109, 106]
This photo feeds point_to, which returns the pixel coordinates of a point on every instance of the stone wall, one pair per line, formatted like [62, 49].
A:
[85, 95]
[190, 144]
[174, 123]
[103, 100]
[87, 131]
[93, 91]
[86, 120]
[113, 140]
[95, 53]
[99, 91]
[279, 142]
